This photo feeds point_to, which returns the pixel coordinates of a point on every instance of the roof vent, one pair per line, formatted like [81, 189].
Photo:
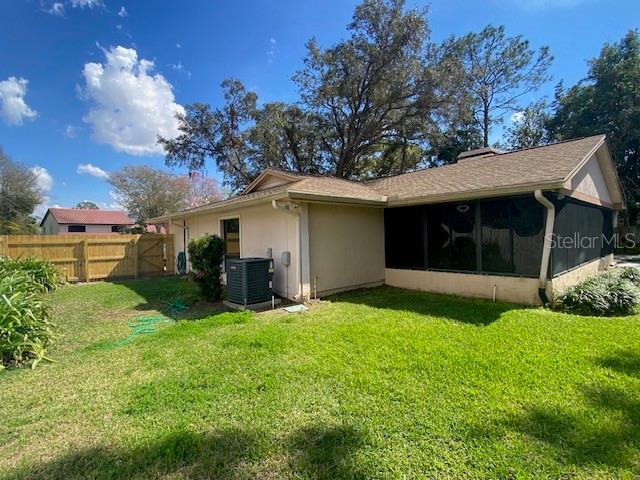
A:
[479, 153]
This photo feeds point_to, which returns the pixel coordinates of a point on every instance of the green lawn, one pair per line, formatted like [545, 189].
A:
[382, 383]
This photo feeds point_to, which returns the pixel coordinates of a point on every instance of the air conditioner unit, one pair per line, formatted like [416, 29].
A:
[250, 280]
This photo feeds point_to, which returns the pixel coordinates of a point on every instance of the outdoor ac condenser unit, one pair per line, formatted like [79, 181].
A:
[250, 280]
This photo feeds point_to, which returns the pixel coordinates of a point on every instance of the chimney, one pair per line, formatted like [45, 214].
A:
[479, 153]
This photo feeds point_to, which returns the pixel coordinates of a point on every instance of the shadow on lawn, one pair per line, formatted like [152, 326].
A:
[473, 311]
[606, 432]
[317, 452]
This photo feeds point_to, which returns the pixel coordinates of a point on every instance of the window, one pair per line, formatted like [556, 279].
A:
[404, 237]
[231, 237]
[116, 228]
[76, 229]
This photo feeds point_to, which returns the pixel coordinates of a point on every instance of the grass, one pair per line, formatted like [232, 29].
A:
[382, 383]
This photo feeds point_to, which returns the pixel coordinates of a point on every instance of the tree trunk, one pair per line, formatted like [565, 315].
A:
[485, 126]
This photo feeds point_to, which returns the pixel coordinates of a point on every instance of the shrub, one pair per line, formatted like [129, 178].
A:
[608, 294]
[206, 255]
[630, 273]
[25, 327]
[42, 273]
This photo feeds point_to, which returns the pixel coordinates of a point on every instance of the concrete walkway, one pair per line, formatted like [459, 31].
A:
[627, 260]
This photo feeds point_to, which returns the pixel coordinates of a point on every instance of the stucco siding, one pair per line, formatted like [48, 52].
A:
[578, 274]
[508, 289]
[261, 228]
[346, 247]
[589, 183]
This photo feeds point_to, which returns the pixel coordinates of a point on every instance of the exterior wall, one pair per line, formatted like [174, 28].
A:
[50, 226]
[346, 247]
[576, 275]
[261, 227]
[589, 183]
[508, 289]
[89, 229]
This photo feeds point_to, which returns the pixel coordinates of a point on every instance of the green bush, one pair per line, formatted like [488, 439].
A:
[630, 273]
[25, 327]
[206, 255]
[42, 273]
[608, 294]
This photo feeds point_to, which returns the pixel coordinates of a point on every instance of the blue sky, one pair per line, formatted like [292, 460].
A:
[68, 110]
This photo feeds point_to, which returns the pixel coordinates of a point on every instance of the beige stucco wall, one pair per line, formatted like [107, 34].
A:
[346, 247]
[508, 289]
[261, 227]
[572, 277]
[589, 182]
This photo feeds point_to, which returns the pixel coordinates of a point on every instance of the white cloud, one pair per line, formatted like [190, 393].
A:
[273, 49]
[178, 45]
[87, 168]
[44, 179]
[86, 3]
[13, 109]
[122, 12]
[56, 9]
[130, 107]
[180, 68]
[517, 117]
[71, 131]
[44, 182]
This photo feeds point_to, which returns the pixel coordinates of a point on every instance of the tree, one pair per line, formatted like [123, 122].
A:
[87, 205]
[373, 95]
[19, 195]
[145, 192]
[529, 127]
[369, 105]
[243, 139]
[499, 71]
[607, 101]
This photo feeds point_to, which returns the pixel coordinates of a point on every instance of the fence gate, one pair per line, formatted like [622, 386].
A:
[86, 257]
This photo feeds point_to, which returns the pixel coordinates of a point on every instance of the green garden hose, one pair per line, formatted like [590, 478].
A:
[182, 263]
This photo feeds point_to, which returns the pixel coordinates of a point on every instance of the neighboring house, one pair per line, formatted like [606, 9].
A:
[482, 227]
[72, 220]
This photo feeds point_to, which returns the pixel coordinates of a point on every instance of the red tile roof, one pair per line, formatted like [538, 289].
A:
[89, 217]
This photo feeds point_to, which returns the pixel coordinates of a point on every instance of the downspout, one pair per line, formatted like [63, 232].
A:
[296, 213]
[546, 250]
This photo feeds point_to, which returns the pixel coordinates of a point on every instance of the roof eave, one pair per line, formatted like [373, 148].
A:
[478, 194]
[238, 202]
[324, 198]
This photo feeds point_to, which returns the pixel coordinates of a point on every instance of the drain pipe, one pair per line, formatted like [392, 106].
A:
[546, 250]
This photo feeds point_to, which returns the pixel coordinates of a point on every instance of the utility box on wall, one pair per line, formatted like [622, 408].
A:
[250, 280]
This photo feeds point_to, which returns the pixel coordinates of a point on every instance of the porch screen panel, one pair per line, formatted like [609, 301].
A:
[497, 242]
[404, 237]
[583, 233]
[527, 221]
[463, 236]
[439, 248]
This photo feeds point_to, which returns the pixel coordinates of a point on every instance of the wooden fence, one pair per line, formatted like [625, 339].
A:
[86, 257]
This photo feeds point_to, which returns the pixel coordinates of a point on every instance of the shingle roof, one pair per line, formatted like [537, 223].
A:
[90, 217]
[521, 170]
[540, 165]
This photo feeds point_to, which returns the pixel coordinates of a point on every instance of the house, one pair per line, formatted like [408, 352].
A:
[72, 220]
[515, 226]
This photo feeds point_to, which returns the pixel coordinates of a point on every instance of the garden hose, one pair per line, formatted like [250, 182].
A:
[182, 263]
[146, 325]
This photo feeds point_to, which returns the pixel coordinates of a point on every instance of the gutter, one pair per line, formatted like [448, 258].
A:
[546, 250]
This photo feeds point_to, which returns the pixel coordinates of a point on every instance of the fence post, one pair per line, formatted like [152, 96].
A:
[135, 256]
[85, 259]
[4, 251]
